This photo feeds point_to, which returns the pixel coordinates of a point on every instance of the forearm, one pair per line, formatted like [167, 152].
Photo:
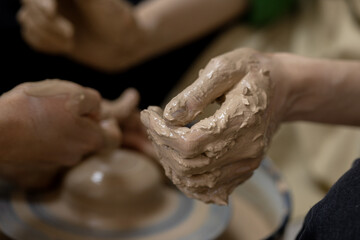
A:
[170, 23]
[326, 91]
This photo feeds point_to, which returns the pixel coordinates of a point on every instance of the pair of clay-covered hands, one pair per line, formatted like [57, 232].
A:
[208, 158]
[53, 124]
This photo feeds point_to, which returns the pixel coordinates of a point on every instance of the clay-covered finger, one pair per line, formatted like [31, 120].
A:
[209, 136]
[238, 122]
[218, 194]
[214, 174]
[220, 74]
[164, 135]
[226, 129]
[122, 107]
[218, 182]
[183, 166]
[204, 136]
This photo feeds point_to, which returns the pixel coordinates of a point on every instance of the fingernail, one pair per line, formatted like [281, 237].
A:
[174, 113]
[178, 114]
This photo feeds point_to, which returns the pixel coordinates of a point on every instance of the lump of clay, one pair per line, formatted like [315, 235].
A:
[117, 184]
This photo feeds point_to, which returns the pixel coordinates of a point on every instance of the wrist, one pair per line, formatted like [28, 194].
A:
[320, 90]
[285, 86]
[293, 75]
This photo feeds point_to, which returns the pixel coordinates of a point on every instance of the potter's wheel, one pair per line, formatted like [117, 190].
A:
[121, 198]
[261, 206]
[259, 209]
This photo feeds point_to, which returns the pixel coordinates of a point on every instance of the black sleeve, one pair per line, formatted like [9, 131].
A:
[337, 215]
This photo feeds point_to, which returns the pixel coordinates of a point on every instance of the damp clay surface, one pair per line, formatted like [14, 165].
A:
[208, 159]
[114, 189]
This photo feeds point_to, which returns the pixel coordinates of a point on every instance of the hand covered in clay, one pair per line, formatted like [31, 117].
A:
[47, 125]
[213, 156]
[100, 33]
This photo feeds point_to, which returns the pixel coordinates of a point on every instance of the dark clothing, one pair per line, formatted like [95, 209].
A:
[337, 216]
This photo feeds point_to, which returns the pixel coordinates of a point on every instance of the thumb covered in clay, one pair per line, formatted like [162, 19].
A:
[218, 77]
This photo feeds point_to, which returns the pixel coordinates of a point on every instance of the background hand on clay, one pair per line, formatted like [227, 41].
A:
[209, 159]
[101, 33]
[48, 125]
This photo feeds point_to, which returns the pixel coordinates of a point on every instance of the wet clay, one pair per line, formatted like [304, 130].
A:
[210, 158]
[110, 189]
